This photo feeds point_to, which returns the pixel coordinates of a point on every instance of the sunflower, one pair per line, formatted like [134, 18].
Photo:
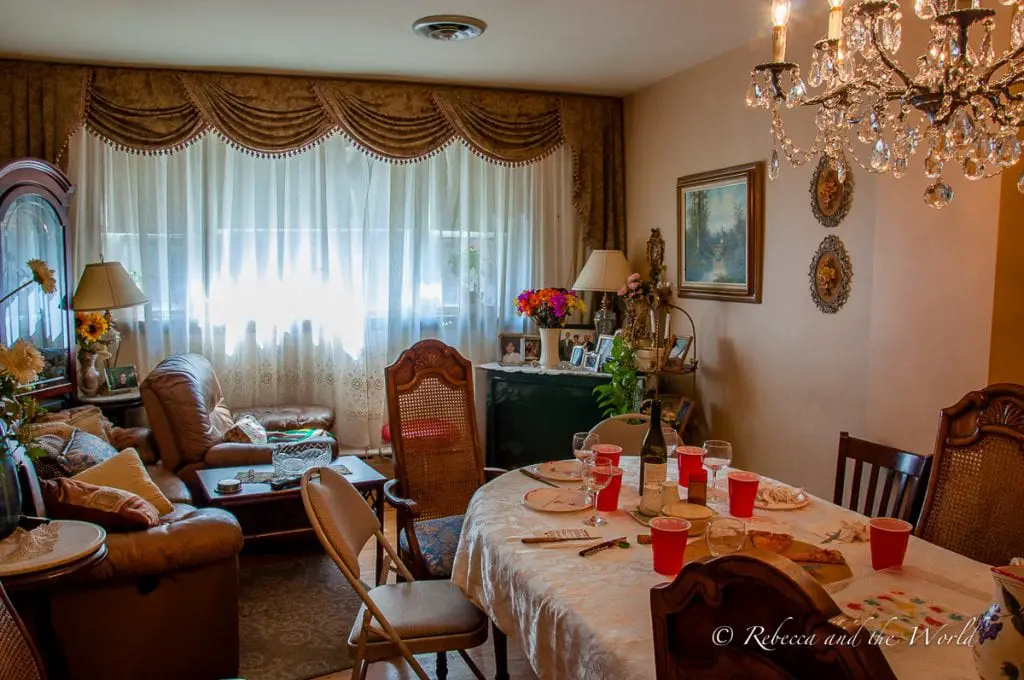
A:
[90, 326]
[43, 275]
[22, 361]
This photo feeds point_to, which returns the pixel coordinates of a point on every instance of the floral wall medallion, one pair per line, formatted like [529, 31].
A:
[830, 275]
[830, 198]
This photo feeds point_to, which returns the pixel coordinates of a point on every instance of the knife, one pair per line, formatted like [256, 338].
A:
[587, 552]
[538, 478]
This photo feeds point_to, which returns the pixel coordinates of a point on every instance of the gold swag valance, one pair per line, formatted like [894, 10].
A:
[160, 111]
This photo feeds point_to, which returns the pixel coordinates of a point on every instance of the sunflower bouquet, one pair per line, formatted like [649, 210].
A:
[90, 329]
[549, 307]
[20, 365]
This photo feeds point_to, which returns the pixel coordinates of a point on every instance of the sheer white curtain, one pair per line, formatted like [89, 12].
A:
[301, 278]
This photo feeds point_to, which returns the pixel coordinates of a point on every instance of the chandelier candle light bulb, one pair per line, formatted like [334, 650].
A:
[835, 19]
[780, 17]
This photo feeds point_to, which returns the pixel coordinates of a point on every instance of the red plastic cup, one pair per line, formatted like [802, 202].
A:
[889, 538]
[668, 542]
[690, 459]
[608, 497]
[742, 491]
[610, 451]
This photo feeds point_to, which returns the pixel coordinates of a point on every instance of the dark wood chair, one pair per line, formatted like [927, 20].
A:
[745, 590]
[903, 489]
[19, 658]
[439, 463]
[974, 505]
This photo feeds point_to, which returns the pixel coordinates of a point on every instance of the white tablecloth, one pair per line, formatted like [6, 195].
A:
[587, 618]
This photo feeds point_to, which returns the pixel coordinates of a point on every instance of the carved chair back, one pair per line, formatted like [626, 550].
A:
[19, 659]
[755, 594]
[974, 505]
[902, 489]
[626, 431]
[438, 459]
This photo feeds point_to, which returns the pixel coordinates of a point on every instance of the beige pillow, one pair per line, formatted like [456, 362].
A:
[62, 430]
[88, 418]
[125, 471]
[247, 430]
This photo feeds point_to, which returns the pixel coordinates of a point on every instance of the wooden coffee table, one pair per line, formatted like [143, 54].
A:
[266, 513]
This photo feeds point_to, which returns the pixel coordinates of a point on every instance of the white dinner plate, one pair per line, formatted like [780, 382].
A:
[802, 500]
[559, 470]
[550, 499]
[75, 540]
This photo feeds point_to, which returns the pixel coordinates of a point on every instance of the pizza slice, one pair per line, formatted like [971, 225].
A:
[770, 541]
[819, 556]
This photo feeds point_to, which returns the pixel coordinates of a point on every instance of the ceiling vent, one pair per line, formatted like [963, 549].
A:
[446, 27]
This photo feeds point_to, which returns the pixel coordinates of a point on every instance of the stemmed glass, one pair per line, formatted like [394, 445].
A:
[583, 444]
[717, 456]
[597, 475]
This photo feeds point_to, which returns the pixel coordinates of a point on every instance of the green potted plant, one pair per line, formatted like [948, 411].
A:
[622, 393]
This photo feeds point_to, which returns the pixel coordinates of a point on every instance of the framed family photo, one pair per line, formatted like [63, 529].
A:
[604, 349]
[510, 349]
[678, 348]
[576, 358]
[122, 378]
[572, 337]
[721, 233]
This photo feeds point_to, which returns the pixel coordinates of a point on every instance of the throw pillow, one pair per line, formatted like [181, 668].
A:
[247, 430]
[113, 509]
[62, 430]
[125, 471]
[50, 464]
[88, 418]
[82, 451]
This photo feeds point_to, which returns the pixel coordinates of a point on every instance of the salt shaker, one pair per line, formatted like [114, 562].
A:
[650, 502]
[669, 493]
[698, 487]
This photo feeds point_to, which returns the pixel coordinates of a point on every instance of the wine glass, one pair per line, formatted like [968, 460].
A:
[717, 456]
[583, 444]
[725, 535]
[597, 474]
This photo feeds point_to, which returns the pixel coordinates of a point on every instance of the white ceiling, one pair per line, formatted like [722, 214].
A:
[598, 46]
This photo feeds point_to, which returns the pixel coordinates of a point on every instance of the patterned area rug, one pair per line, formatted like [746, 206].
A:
[295, 612]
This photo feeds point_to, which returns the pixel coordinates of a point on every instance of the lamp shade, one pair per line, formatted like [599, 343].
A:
[106, 285]
[606, 270]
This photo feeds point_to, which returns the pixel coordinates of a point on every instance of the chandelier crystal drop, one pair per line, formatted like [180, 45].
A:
[961, 105]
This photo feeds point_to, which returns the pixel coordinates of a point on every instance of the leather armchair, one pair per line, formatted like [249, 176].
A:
[188, 418]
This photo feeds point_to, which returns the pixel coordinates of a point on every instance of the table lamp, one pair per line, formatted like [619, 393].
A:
[105, 286]
[606, 271]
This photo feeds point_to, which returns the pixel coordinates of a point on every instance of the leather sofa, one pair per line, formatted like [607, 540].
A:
[188, 417]
[163, 605]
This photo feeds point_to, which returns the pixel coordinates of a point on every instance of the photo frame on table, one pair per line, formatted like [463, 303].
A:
[531, 348]
[578, 353]
[510, 349]
[121, 378]
[678, 348]
[604, 349]
[720, 234]
[590, 362]
[573, 336]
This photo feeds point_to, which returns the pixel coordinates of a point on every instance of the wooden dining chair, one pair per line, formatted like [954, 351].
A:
[902, 488]
[626, 431]
[396, 619]
[19, 658]
[759, 589]
[439, 463]
[974, 504]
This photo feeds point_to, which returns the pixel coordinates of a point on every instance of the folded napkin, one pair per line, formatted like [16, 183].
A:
[847, 531]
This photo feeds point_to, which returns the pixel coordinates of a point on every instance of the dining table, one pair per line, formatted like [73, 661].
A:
[590, 617]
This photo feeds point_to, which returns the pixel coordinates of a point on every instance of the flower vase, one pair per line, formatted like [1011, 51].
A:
[999, 644]
[10, 494]
[549, 338]
[89, 377]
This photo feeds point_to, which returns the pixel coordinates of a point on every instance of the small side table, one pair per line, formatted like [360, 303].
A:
[29, 582]
[114, 406]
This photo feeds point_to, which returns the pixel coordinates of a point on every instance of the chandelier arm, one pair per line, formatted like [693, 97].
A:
[841, 92]
[893, 66]
[1001, 62]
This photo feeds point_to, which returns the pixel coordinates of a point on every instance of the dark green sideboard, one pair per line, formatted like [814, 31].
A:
[531, 414]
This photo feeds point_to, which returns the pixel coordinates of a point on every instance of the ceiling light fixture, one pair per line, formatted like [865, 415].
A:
[448, 27]
[962, 105]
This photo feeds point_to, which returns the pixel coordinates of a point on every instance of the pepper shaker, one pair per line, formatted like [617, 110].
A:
[698, 487]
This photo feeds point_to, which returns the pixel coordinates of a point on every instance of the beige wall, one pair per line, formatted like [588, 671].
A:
[781, 379]
[1006, 363]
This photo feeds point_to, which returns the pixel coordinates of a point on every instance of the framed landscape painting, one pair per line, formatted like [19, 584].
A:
[721, 233]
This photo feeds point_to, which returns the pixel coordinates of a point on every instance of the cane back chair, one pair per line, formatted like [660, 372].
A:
[902, 491]
[438, 459]
[738, 592]
[396, 619]
[19, 658]
[974, 505]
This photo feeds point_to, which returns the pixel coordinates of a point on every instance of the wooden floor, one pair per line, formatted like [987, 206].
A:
[518, 666]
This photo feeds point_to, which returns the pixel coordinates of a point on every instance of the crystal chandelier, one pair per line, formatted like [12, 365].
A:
[961, 108]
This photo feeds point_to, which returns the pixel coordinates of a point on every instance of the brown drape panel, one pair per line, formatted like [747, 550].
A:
[160, 111]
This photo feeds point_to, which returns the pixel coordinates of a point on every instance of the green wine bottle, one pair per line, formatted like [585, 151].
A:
[653, 452]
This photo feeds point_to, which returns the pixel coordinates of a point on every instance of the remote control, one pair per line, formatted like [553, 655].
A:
[279, 484]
